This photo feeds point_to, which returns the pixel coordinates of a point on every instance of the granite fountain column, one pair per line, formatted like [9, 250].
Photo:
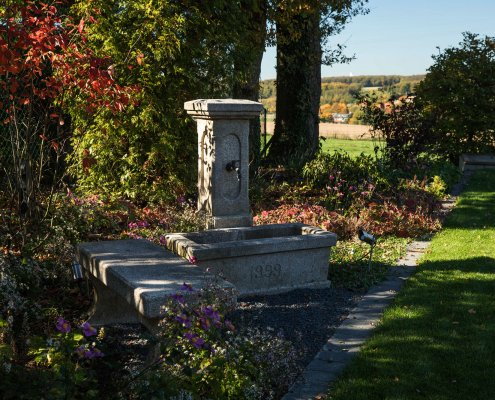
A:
[223, 159]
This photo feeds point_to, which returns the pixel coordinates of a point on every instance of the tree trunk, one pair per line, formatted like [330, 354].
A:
[295, 139]
[248, 69]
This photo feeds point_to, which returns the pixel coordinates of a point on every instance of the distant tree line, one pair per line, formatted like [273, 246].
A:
[338, 91]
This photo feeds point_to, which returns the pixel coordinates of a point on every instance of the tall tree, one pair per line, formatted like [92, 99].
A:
[298, 87]
[302, 31]
[247, 66]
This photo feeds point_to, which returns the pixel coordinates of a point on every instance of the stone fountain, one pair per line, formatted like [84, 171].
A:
[261, 259]
[133, 277]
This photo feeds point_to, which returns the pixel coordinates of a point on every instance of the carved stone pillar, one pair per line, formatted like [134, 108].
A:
[223, 159]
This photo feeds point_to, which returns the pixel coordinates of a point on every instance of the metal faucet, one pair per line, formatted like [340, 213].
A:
[234, 165]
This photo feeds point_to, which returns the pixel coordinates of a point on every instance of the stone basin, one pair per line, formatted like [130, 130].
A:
[262, 259]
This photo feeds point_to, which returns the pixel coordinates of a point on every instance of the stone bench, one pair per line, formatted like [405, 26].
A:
[471, 162]
[132, 279]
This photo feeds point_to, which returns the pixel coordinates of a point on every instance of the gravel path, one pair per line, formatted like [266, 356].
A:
[306, 317]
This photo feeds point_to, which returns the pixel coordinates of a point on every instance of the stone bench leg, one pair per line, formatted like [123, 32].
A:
[110, 308]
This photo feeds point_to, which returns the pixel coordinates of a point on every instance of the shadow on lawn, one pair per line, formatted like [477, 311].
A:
[436, 340]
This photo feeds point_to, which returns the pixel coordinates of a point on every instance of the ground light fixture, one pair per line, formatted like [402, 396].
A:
[370, 239]
[77, 273]
[366, 237]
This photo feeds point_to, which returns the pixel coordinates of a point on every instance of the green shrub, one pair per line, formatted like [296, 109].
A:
[402, 124]
[347, 182]
[388, 218]
[175, 52]
[355, 170]
[65, 364]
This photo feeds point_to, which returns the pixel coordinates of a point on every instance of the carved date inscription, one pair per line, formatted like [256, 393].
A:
[266, 271]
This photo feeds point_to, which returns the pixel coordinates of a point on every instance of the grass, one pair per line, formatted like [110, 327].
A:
[353, 147]
[437, 340]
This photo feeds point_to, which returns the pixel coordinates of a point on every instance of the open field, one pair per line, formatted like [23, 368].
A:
[340, 131]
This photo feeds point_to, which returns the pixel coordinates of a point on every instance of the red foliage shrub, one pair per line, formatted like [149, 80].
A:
[43, 55]
[381, 219]
[391, 219]
[314, 215]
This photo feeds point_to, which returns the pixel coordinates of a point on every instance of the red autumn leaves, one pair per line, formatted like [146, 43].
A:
[44, 57]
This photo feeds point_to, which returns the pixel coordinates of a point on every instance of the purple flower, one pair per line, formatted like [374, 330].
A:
[96, 353]
[184, 320]
[132, 225]
[217, 323]
[331, 177]
[194, 339]
[211, 313]
[143, 224]
[63, 325]
[88, 330]
[187, 287]
[163, 240]
[89, 352]
[181, 200]
[205, 323]
[80, 350]
[178, 298]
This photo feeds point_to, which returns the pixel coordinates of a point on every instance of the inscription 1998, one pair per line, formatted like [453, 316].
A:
[266, 271]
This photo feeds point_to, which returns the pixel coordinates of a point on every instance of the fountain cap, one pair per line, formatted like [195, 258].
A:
[223, 109]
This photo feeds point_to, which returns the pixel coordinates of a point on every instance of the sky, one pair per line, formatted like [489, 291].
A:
[398, 37]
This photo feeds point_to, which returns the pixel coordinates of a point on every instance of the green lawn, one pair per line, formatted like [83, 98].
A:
[437, 341]
[353, 147]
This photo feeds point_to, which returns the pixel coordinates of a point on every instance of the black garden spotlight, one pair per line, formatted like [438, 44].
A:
[367, 237]
[77, 273]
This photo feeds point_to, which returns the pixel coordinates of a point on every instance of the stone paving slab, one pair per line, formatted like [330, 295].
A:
[348, 338]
